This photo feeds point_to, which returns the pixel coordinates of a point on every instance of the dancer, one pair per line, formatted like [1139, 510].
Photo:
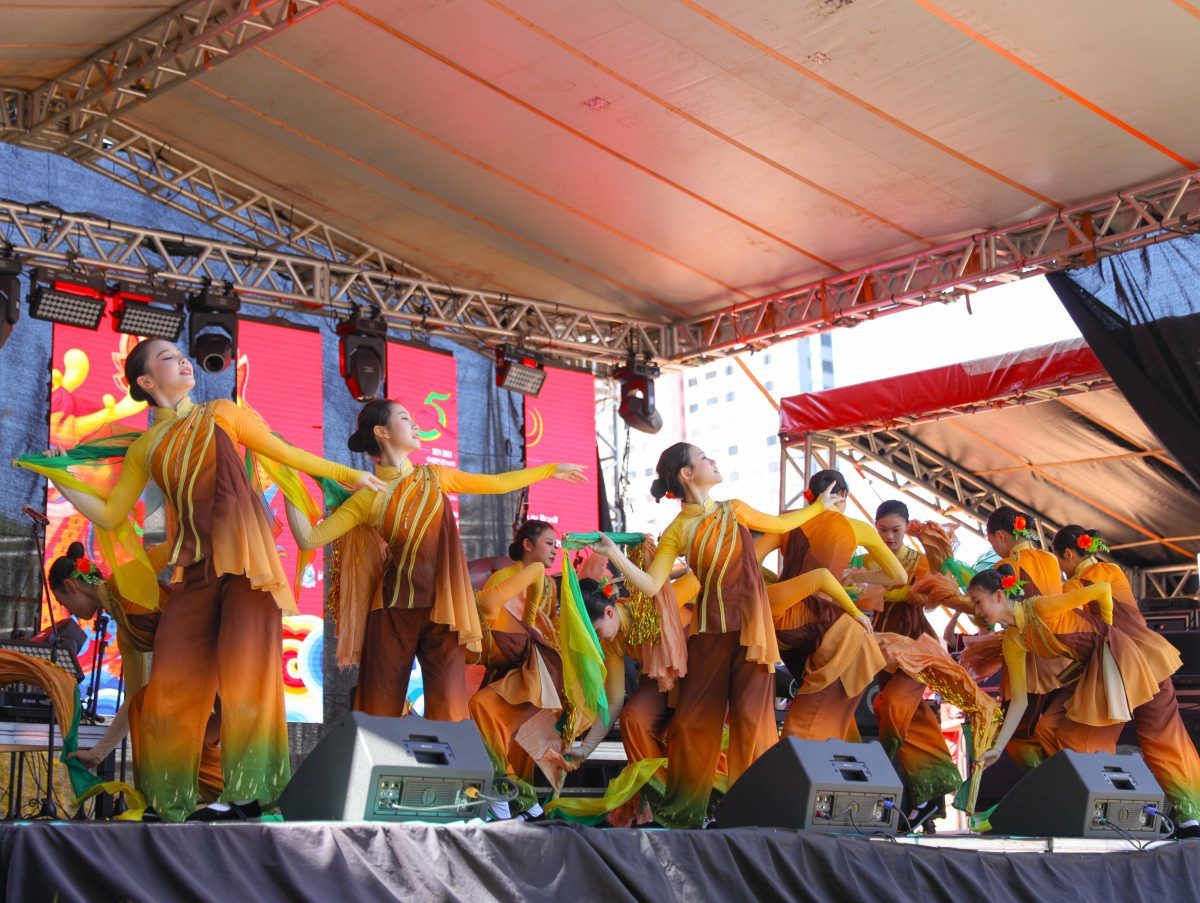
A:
[403, 590]
[833, 660]
[731, 650]
[221, 634]
[79, 587]
[908, 728]
[1161, 734]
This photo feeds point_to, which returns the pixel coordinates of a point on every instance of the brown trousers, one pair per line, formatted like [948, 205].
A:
[498, 721]
[394, 637]
[719, 681]
[644, 722]
[827, 714]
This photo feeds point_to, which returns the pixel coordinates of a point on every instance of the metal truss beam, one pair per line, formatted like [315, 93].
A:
[68, 112]
[1068, 238]
[1167, 582]
[49, 237]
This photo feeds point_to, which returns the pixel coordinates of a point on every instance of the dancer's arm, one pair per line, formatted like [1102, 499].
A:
[868, 537]
[250, 432]
[614, 690]
[819, 580]
[1100, 593]
[651, 580]
[352, 512]
[498, 590]
[1014, 663]
[766, 544]
[499, 483]
[687, 588]
[752, 519]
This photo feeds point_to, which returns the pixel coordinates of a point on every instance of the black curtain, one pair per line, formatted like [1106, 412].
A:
[1140, 313]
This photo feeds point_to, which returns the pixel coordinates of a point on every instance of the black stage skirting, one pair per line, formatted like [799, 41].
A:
[335, 862]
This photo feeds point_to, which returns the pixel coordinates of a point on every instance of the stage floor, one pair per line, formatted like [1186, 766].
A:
[556, 861]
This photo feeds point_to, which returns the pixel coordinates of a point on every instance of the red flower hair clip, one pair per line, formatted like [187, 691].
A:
[1012, 586]
[608, 589]
[809, 496]
[86, 570]
[1091, 544]
[1021, 528]
[672, 496]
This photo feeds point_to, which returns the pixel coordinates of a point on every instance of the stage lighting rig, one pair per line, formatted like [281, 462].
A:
[213, 326]
[519, 370]
[135, 312]
[68, 298]
[10, 294]
[362, 354]
[637, 395]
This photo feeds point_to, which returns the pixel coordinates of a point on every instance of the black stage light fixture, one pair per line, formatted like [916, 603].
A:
[213, 326]
[10, 295]
[519, 370]
[68, 298]
[637, 396]
[151, 311]
[362, 354]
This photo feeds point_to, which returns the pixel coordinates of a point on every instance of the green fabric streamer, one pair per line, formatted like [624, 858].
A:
[581, 540]
[82, 780]
[582, 657]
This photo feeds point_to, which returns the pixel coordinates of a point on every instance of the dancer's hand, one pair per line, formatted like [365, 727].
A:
[989, 758]
[827, 495]
[560, 760]
[370, 481]
[87, 758]
[576, 755]
[866, 623]
[570, 473]
[605, 546]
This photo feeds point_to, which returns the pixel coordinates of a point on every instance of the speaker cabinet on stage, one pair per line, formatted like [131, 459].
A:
[369, 768]
[1082, 795]
[830, 786]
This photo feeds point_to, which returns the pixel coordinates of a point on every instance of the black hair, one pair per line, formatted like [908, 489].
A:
[670, 462]
[893, 506]
[63, 567]
[990, 580]
[823, 479]
[377, 412]
[531, 530]
[137, 362]
[1068, 538]
[594, 599]
[1003, 519]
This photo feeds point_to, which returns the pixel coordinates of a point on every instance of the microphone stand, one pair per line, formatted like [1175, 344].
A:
[48, 810]
[101, 632]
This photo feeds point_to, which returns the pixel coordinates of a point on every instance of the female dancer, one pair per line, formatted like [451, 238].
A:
[1010, 534]
[732, 649]
[221, 632]
[519, 608]
[1164, 741]
[834, 662]
[419, 603]
[908, 729]
[79, 587]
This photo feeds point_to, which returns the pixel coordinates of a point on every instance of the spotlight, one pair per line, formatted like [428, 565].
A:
[215, 311]
[10, 295]
[362, 354]
[134, 312]
[637, 396]
[68, 298]
[519, 370]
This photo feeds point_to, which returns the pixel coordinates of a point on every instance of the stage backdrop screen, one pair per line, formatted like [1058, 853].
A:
[89, 393]
[560, 427]
[425, 382]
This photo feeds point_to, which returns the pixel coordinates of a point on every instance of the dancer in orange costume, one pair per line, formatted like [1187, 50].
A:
[80, 589]
[833, 660]
[1161, 734]
[732, 649]
[221, 633]
[402, 587]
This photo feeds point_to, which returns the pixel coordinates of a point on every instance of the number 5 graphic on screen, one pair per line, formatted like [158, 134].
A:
[432, 400]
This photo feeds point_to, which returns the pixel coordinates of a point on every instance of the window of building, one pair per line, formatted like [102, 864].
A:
[693, 408]
[692, 381]
[734, 477]
[772, 440]
[773, 467]
[729, 396]
[711, 374]
[649, 472]
[733, 449]
[729, 370]
[712, 401]
[769, 384]
[766, 358]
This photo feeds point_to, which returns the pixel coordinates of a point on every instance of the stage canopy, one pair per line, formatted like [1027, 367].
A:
[1044, 430]
[661, 159]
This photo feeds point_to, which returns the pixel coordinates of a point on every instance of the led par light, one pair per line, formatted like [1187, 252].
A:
[148, 311]
[519, 370]
[68, 298]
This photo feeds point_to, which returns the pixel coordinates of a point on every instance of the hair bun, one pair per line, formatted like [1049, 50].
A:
[515, 550]
[588, 585]
[76, 550]
[1006, 570]
[658, 489]
[355, 443]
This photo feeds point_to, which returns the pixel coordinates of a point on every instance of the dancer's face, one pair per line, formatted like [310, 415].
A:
[891, 529]
[544, 549]
[77, 600]
[703, 472]
[1068, 561]
[168, 375]
[990, 608]
[401, 434]
[608, 625]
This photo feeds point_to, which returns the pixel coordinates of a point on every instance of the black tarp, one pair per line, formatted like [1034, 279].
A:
[329, 862]
[1140, 313]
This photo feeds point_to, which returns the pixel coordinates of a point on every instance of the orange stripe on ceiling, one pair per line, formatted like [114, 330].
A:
[1187, 7]
[712, 130]
[859, 102]
[428, 51]
[505, 176]
[461, 211]
[1054, 83]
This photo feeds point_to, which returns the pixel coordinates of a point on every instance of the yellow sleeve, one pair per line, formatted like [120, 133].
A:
[867, 537]
[1072, 584]
[753, 519]
[246, 429]
[766, 544]
[687, 588]
[1014, 661]
[135, 474]
[491, 484]
[784, 595]
[133, 663]
[659, 570]
[1100, 593]
[159, 555]
[352, 512]
[614, 679]
[508, 583]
